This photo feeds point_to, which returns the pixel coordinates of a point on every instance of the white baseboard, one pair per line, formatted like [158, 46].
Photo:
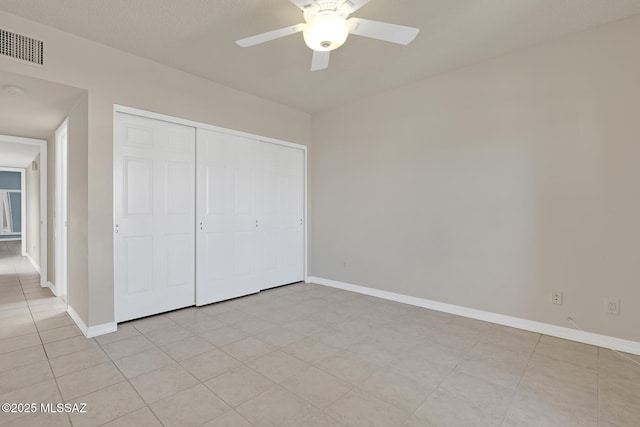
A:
[33, 263]
[605, 341]
[91, 331]
[102, 329]
[76, 318]
[53, 288]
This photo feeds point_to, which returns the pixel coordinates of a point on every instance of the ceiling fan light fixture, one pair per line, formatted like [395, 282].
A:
[326, 32]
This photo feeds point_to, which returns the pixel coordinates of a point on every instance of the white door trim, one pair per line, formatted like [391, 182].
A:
[23, 211]
[43, 201]
[305, 237]
[61, 225]
[151, 115]
[199, 125]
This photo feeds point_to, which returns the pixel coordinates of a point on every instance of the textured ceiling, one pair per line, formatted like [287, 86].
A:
[198, 36]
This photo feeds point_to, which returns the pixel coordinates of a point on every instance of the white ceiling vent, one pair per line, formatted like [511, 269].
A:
[21, 47]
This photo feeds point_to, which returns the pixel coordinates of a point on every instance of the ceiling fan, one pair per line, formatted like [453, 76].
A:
[326, 28]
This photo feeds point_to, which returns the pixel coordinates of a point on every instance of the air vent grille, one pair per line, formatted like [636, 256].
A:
[21, 47]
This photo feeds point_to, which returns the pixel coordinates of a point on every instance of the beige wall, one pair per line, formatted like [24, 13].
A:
[78, 197]
[32, 182]
[77, 130]
[490, 186]
[113, 77]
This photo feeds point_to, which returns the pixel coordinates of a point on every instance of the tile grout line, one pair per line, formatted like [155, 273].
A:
[521, 377]
[243, 364]
[42, 344]
[442, 381]
[457, 367]
[147, 405]
[130, 385]
[411, 413]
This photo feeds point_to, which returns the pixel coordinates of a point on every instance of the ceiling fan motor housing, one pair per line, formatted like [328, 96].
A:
[327, 5]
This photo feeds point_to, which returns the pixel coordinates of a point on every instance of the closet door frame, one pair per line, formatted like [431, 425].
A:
[198, 125]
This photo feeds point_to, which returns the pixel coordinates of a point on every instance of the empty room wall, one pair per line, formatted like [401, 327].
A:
[492, 185]
[114, 77]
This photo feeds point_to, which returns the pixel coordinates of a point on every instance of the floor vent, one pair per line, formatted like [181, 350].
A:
[21, 47]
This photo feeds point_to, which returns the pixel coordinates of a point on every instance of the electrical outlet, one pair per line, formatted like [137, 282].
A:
[612, 306]
[556, 297]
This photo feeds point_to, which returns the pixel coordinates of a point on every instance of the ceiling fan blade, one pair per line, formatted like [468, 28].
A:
[350, 6]
[320, 60]
[383, 31]
[304, 4]
[270, 35]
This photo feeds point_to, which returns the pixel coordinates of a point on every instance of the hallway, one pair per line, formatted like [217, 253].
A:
[25, 307]
[30, 317]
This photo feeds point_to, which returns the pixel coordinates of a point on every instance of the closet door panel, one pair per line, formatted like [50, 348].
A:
[154, 198]
[283, 213]
[228, 245]
[292, 214]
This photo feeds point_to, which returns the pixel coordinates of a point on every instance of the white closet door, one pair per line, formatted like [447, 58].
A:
[154, 215]
[282, 212]
[228, 245]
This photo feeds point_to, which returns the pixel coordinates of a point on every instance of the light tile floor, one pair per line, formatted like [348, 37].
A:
[300, 355]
